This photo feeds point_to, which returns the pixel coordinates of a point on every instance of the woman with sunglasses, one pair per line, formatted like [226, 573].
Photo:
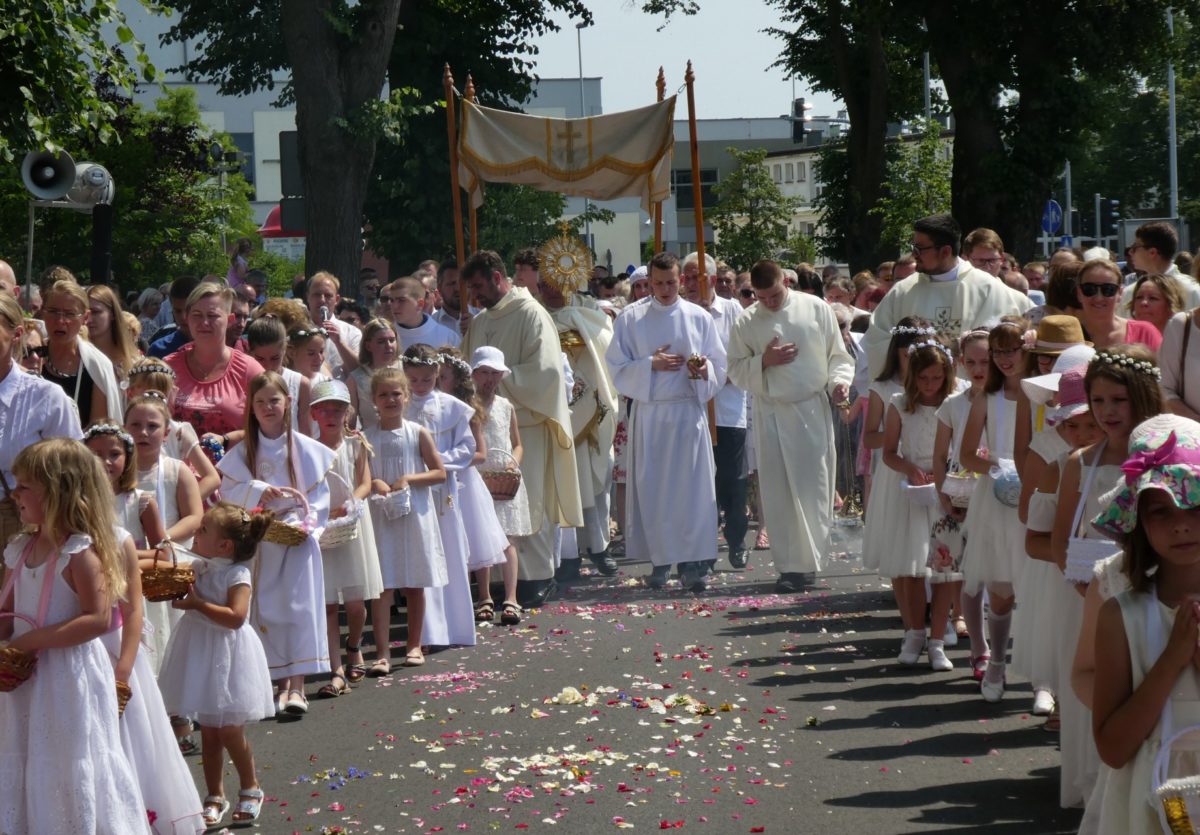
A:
[1099, 293]
[77, 366]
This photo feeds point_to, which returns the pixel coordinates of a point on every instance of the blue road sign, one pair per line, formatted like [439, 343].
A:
[1066, 240]
[1052, 217]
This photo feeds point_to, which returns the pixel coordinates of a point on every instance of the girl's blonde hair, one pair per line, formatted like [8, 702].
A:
[250, 442]
[299, 337]
[152, 374]
[389, 375]
[111, 428]
[155, 400]
[245, 527]
[78, 500]
[118, 329]
[370, 331]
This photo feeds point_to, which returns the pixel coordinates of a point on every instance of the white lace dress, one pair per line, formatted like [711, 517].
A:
[351, 570]
[212, 672]
[900, 544]
[162, 482]
[497, 433]
[62, 768]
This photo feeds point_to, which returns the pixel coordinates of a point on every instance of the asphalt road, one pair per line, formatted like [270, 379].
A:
[736, 711]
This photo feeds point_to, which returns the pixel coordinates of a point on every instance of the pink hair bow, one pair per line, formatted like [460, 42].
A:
[1140, 463]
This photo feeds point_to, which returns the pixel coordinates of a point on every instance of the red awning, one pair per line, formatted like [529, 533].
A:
[271, 228]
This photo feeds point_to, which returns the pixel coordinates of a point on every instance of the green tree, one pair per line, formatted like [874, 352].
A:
[918, 184]
[51, 53]
[169, 210]
[514, 217]
[752, 217]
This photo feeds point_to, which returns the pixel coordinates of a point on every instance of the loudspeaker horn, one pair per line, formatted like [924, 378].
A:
[92, 185]
[48, 176]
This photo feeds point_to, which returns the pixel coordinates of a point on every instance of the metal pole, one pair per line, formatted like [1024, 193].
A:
[1099, 236]
[928, 104]
[661, 86]
[587, 203]
[29, 261]
[1172, 152]
[1067, 212]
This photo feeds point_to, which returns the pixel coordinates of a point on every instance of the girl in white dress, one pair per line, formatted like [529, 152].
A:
[500, 432]
[411, 557]
[176, 495]
[267, 342]
[995, 540]
[973, 360]
[876, 540]
[449, 615]
[352, 568]
[215, 667]
[1146, 686]
[379, 349]
[1122, 391]
[910, 429]
[63, 766]
[135, 510]
[486, 539]
[267, 469]
[152, 374]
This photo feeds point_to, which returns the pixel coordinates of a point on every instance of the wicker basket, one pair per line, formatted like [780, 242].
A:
[281, 533]
[343, 530]
[1178, 795]
[167, 582]
[501, 475]
[124, 694]
[16, 666]
[959, 487]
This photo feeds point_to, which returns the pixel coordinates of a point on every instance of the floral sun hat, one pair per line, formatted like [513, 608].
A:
[1164, 454]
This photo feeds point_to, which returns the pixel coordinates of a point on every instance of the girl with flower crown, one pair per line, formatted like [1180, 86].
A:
[910, 429]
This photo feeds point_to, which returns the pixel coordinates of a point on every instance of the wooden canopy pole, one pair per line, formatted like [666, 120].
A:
[472, 220]
[698, 198]
[661, 84]
[452, 134]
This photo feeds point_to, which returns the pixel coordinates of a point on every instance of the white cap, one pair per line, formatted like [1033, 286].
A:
[486, 356]
[638, 274]
[1096, 253]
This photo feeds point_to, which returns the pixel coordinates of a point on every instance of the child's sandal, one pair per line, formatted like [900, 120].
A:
[510, 614]
[355, 672]
[249, 806]
[214, 810]
[485, 612]
[382, 667]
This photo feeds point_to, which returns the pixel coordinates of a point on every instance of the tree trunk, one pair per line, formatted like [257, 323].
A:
[334, 76]
[863, 77]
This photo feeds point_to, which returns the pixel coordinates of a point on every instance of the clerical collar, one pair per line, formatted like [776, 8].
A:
[952, 275]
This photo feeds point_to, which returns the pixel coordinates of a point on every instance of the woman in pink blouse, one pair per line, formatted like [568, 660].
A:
[211, 378]
[1099, 291]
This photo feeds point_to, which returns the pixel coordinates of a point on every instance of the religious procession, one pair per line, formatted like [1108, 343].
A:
[748, 535]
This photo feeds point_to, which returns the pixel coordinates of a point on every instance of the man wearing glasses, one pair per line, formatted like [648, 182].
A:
[985, 251]
[1153, 251]
[948, 291]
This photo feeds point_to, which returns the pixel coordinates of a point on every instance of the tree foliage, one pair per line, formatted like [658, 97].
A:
[752, 217]
[918, 184]
[169, 210]
[51, 53]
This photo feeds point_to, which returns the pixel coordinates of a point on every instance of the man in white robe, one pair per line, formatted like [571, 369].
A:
[787, 351]
[522, 329]
[667, 358]
[584, 335]
[947, 292]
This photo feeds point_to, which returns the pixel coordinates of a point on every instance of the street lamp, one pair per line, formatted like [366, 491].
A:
[587, 203]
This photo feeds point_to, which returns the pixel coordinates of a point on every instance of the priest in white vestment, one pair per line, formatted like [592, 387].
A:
[946, 291]
[666, 357]
[787, 351]
[522, 329]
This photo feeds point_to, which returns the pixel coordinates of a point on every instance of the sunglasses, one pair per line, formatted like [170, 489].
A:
[746, 294]
[1090, 289]
[39, 351]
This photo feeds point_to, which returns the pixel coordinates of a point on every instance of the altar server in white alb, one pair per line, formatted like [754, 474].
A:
[667, 358]
[787, 351]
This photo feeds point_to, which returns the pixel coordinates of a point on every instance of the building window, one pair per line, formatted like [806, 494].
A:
[777, 173]
[245, 145]
[681, 184]
[789, 173]
[801, 174]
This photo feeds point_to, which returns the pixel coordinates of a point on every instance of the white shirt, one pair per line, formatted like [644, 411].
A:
[31, 410]
[429, 332]
[351, 338]
[451, 322]
[730, 400]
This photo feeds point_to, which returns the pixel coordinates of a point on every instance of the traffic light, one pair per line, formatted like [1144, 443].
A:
[1110, 214]
[800, 120]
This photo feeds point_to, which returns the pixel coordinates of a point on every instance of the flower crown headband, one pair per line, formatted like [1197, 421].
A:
[304, 333]
[152, 368]
[907, 329]
[109, 429]
[459, 365]
[930, 343]
[1123, 361]
[422, 362]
